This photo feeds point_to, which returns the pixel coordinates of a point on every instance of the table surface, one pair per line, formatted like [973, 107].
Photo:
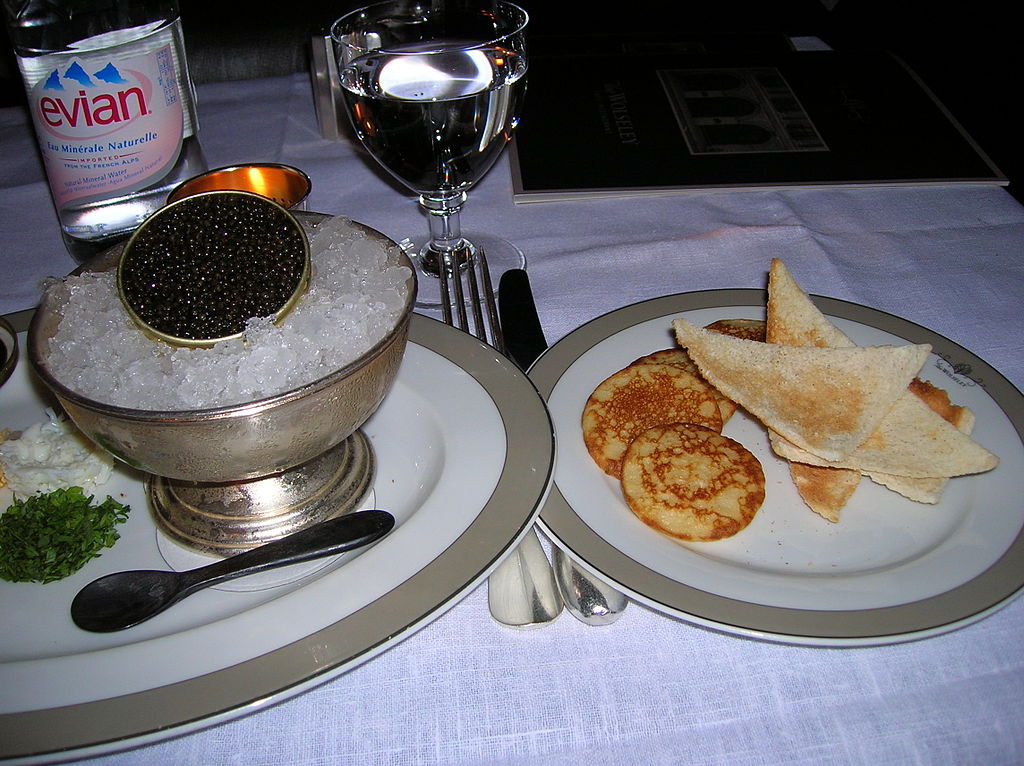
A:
[647, 689]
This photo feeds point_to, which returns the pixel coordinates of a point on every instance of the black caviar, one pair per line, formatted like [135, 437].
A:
[201, 268]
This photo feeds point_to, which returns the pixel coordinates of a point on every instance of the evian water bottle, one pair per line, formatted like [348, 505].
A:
[113, 108]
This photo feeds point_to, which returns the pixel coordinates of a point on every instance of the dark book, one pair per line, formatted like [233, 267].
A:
[663, 118]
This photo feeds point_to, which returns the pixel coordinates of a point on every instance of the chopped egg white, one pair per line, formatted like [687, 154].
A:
[52, 455]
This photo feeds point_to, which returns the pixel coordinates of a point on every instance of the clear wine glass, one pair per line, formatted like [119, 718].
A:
[434, 91]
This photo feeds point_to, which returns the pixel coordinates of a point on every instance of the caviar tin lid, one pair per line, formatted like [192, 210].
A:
[196, 271]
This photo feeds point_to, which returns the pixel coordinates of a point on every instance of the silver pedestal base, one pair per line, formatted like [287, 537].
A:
[227, 518]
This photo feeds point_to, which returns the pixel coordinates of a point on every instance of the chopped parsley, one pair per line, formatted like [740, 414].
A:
[47, 537]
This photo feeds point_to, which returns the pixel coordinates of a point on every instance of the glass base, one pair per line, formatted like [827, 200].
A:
[501, 256]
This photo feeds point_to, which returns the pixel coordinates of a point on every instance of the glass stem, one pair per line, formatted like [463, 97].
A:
[446, 245]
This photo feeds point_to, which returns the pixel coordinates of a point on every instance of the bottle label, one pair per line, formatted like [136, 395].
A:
[109, 114]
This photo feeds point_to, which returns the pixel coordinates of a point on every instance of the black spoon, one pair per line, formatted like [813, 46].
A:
[123, 599]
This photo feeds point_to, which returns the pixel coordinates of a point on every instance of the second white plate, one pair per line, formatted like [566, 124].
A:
[890, 570]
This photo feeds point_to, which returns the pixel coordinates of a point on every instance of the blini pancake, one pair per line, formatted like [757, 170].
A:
[751, 329]
[692, 483]
[678, 356]
[637, 398]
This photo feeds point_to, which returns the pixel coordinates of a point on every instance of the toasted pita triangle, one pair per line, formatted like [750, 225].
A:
[909, 443]
[792, 317]
[927, 490]
[824, 490]
[825, 400]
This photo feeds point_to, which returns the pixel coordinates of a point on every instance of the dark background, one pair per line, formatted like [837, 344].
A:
[967, 53]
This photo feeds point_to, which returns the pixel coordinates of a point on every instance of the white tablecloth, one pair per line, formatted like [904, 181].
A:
[648, 689]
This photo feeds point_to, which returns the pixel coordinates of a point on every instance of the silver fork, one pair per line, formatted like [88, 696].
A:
[522, 591]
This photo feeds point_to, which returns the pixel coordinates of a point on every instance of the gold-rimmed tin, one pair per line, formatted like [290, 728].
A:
[286, 185]
[199, 201]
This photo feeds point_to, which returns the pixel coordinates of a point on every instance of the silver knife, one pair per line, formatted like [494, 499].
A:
[588, 598]
[521, 591]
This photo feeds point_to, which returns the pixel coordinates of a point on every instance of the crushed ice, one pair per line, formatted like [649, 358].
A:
[355, 297]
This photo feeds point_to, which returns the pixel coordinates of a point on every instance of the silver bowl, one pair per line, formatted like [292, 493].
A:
[226, 458]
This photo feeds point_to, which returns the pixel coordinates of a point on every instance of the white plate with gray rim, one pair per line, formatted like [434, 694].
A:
[464, 450]
[891, 570]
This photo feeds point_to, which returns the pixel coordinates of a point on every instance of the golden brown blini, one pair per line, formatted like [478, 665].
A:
[634, 399]
[678, 356]
[692, 483]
